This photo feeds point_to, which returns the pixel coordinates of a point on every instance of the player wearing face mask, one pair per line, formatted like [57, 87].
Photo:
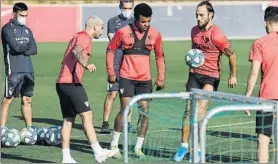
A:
[115, 23]
[18, 45]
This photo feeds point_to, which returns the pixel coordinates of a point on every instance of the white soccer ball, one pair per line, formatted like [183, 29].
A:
[194, 58]
[57, 127]
[53, 136]
[11, 138]
[41, 132]
[29, 136]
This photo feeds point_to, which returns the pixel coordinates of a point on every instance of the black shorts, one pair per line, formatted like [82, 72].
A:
[73, 99]
[199, 81]
[264, 123]
[129, 88]
[19, 83]
[112, 87]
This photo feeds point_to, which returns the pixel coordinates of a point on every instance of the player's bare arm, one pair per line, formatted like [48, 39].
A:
[252, 79]
[232, 82]
[77, 53]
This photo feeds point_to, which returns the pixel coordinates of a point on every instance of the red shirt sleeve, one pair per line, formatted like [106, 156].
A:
[220, 40]
[159, 54]
[255, 52]
[110, 52]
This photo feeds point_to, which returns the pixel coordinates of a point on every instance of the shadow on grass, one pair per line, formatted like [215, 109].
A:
[212, 158]
[52, 121]
[234, 135]
[19, 158]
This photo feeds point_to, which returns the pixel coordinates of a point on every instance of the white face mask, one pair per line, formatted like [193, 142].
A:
[126, 13]
[21, 20]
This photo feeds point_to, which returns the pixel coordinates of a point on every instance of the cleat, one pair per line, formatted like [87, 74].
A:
[69, 161]
[103, 155]
[139, 154]
[116, 152]
[105, 129]
[180, 153]
[130, 129]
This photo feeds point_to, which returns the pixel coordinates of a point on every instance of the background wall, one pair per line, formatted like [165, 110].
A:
[57, 23]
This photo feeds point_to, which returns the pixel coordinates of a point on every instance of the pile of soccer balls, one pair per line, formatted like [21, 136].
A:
[194, 58]
[31, 136]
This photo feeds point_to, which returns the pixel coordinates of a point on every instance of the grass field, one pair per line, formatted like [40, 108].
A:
[233, 143]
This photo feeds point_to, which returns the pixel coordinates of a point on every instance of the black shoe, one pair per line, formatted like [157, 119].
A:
[105, 129]
[130, 129]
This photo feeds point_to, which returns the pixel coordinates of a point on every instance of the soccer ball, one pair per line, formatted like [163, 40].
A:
[57, 127]
[11, 138]
[195, 58]
[41, 134]
[53, 136]
[29, 136]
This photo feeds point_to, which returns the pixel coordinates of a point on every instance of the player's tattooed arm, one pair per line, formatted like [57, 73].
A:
[77, 53]
[253, 76]
[232, 60]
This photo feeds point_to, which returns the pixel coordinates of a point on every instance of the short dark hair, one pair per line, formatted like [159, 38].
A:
[208, 5]
[20, 6]
[125, 1]
[142, 9]
[271, 14]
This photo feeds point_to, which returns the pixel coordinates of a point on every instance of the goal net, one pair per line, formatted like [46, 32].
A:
[230, 135]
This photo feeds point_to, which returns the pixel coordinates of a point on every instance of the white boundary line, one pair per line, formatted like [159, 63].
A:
[242, 123]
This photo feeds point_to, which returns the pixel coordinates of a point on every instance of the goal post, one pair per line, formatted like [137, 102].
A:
[233, 103]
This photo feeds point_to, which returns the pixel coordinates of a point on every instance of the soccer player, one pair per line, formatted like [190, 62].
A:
[72, 95]
[114, 24]
[18, 45]
[137, 40]
[207, 37]
[264, 59]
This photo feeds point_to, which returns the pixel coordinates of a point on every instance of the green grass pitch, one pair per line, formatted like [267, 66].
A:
[230, 138]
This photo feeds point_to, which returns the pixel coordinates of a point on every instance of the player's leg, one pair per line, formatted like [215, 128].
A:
[142, 88]
[108, 103]
[264, 131]
[66, 133]
[263, 144]
[208, 84]
[11, 90]
[127, 88]
[68, 119]
[26, 100]
[5, 110]
[81, 106]
[26, 110]
[192, 82]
